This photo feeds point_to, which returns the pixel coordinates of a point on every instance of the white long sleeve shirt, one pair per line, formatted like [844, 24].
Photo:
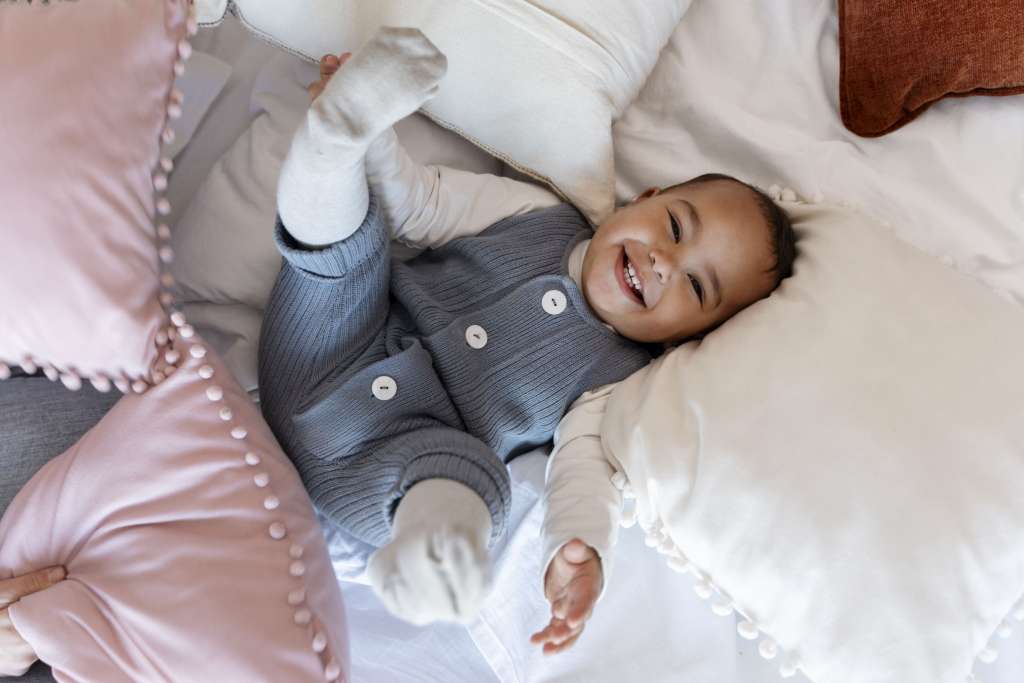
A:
[428, 206]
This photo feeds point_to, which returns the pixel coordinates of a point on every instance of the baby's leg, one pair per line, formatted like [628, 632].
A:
[322, 194]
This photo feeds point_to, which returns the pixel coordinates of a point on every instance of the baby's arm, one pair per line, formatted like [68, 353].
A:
[581, 520]
[427, 206]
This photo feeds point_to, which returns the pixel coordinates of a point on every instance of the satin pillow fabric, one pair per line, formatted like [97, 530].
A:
[193, 551]
[87, 102]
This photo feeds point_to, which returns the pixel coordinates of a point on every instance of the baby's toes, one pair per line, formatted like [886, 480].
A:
[398, 585]
[409, 42]
[465, 570]
[412, 54]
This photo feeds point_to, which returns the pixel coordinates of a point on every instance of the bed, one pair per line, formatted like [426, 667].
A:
[745, 88]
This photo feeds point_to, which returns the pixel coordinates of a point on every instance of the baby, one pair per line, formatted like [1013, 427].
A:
[401, 389]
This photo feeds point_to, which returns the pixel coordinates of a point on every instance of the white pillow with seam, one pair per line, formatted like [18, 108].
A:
[842, 463]
[537, 83]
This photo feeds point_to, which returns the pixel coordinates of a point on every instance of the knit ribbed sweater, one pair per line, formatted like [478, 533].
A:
[376, 374]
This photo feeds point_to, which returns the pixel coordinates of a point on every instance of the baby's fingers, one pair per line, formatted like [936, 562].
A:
[331, 63]
[555, 648]
[544, 635]
[577, 552]
[555, 632]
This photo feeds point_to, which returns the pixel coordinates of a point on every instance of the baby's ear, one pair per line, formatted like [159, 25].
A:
[646, 194]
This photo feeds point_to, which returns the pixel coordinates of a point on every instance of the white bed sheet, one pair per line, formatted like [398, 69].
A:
[746, 87]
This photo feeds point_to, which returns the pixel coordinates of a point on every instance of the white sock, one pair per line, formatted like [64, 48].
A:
[436, 566]
[322, 194]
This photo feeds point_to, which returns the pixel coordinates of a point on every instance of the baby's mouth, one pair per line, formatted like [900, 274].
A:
[631, 281]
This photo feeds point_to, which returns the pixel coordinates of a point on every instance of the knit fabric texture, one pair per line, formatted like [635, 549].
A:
[898, 57]
[370, 381]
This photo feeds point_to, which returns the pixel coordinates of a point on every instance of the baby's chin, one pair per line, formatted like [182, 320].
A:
[641, 332]
[625, 327]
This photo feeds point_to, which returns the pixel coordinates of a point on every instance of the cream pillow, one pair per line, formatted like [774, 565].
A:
[537, 84]
[842, 463]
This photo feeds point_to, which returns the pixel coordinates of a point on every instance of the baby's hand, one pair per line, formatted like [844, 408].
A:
[572, 586]
[328, 65]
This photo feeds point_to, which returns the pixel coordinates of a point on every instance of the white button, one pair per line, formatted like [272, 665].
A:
[554, 301]
[476, 336]
[385, 388]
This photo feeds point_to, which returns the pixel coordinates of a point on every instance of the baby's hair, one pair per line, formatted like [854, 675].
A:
[783, 239]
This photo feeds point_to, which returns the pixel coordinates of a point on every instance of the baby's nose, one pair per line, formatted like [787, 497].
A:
[661, 265]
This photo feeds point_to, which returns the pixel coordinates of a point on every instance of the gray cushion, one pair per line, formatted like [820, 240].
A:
[38, 421]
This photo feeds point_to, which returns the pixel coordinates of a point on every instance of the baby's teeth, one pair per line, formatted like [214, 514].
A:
[631, 272]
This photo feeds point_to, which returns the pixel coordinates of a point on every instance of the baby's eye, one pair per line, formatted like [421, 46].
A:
[697, 288]
[675, 226]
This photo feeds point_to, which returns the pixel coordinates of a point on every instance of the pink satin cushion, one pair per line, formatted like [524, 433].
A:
[192, 549]
[85, 95]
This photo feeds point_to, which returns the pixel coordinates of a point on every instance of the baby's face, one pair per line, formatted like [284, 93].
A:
[676, 263]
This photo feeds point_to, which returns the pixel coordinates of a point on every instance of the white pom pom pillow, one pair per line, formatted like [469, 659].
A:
[843, 463]
[536, 83]
[193, 551]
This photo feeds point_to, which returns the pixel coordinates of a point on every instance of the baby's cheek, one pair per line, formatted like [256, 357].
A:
[675, 319]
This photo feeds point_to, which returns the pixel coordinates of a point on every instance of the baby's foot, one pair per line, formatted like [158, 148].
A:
[388, 78]
[436, 567]
[439, 575]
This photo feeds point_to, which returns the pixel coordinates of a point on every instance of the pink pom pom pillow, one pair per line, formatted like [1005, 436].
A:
[87, 93]
[192, 549]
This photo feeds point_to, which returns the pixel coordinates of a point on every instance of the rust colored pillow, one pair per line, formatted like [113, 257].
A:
[898, 57]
